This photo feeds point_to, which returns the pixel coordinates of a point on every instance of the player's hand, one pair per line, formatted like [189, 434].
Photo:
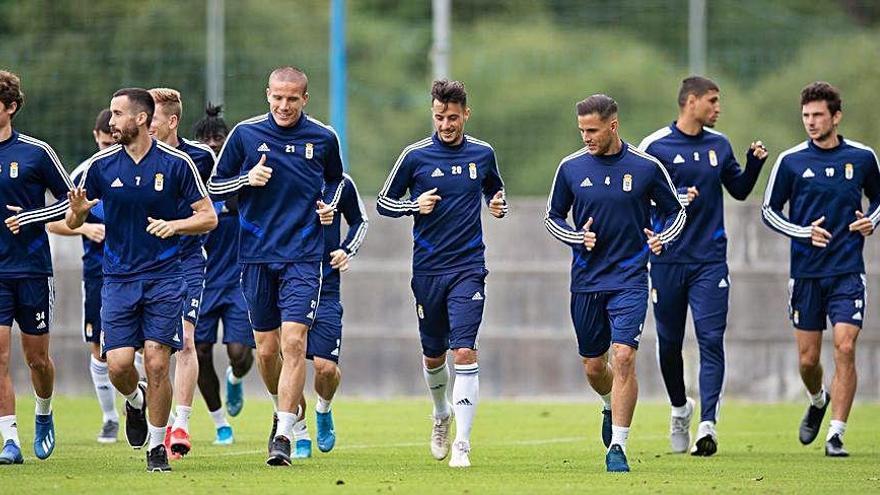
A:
[497, 205]
[160, 228]
[339, 260]
[758, 150]
[93, 231]
[819, 236]
[692, 193]
[325, 213]
[589, 236]
[80, 204]
[862, 225]
[654, 242]
[427, 200]
[260, 174]
[12, 222]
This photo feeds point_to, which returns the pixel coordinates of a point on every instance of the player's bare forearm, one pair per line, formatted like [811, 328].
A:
[199, 223]
[75, 220]
[59, 227]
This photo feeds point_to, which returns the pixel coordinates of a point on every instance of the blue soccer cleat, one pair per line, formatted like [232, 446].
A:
[11, 454]
[303, 449]
[44, 435]
[234, 395]
[224, 436]
[326, 433]
[615, 460]
[606, 427]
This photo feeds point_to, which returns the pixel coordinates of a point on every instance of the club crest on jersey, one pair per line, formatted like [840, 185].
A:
[713, 158]
[472, 170]
[310, 151]
[627, 182]
[13, 170]
[159, 182]
[848, 171]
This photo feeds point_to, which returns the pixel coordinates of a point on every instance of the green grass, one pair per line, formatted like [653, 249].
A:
[518, 447]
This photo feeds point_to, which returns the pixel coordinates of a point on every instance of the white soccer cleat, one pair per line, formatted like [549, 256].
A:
[440, 436]
[460, 455]
[707, 440]
[680, 429]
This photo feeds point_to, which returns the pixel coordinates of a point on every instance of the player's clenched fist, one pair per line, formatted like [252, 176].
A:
[427, 200]
[498, 205]
[325, 213]
[654, 242]
[339, 260]
[259, 175]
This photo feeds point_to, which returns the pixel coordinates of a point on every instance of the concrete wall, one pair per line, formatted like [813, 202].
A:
[527, 344]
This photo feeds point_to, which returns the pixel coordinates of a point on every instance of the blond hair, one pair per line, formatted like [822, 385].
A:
[169, 99]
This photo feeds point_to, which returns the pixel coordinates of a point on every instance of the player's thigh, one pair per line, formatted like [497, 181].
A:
[708, 298]
[806, 306]
[846, 299]
[465, 304]
[591, 324]
[92, 310]
[669, 296]
[430, 293]
[259, 286]
[325, 336]
[298, 292]
[626, 312]
[35, 300]
[163, 311]
[121, 315]
[236, 327]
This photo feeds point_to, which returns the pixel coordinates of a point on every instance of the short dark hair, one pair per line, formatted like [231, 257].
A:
[102, 122]
[141, 99]
[822, 91]
[603, 105]
[446, 92]
[10, 90]
[211, 124]
[695, 85]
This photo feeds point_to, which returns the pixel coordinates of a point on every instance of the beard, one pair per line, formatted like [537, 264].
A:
[125, 135]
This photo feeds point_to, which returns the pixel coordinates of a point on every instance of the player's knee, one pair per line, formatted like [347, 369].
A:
[464, 356]
[326, 370]
[205, 353]
[39, 362]
[294, 345]
[624, 360]
[239, 355]
[808, 358]
[846, 347]
[595, 368]
[156, 366]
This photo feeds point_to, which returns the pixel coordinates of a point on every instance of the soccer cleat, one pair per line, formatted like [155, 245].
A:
[279, 452]
[274, 430]
[606, 427]
[302, 449]
[224, 436]
[707, 440]
[109, 432]
[157, 460]
[834, 447]
[615, 460]
[680, 429]
[812, 421]
[136, 421]
[440, 437]
[180, 444]
[44, 435]
[234, 395]
[326, 434]
[460, 457]
[11, 453]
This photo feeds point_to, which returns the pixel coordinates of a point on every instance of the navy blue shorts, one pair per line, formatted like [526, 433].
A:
[226, 305]
[92, 309]
[450, 309]
[603, 318]
[325, 336]
[703, 286]
[194, 274]
[141, 310]
[28, 301]
[280, 292]
[812, 301]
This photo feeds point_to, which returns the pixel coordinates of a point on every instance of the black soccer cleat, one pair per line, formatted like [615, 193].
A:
[705, 447]
[274, 430]
[136, 421]
[812, 422]
[279, 452]
[606, 427]
[834, 447]
[157, 460]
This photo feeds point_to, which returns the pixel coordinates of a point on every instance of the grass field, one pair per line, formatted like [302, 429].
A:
[518, 447]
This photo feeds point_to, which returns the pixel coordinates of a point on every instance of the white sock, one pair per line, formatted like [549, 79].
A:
[104, 389]
[465, 397]
[836, 428]
[301, 430]
[182, 419]
[136, 398]
[157, 435]
[286, 421]
[680, 411]
[274, 401]
[231, 378]
[219, 417]
[436, 379]
[606, 401]
[322, 405]
[9, 429]
[43, 406]
[139, 365]
[619, 434]
[817, 400]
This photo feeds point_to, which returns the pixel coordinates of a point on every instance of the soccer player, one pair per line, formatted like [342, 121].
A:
[92, 233]
[823, 180]
[28, 168]
[693, 271]
[141, 182]
[166, 120]
[279, 163]
[222, 300]
[325, 336]
[608, 187]
[448, 175]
